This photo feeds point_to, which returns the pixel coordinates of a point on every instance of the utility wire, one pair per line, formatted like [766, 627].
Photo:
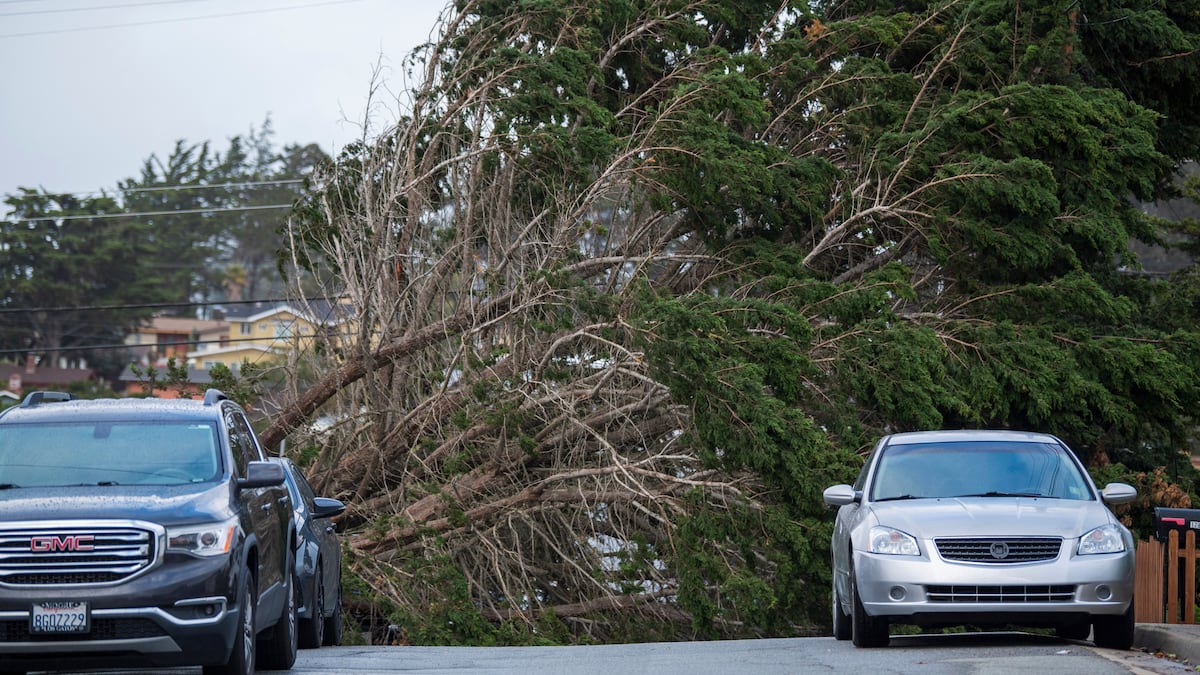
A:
[106, 216]
[67, 10]
[176, 20]
[147, 305]
[106, 347]
[163, 188]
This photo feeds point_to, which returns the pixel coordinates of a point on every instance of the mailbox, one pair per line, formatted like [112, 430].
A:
[1179, 520]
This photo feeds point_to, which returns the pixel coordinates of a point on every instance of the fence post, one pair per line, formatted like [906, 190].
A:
[1189, 600]
[1148, 583]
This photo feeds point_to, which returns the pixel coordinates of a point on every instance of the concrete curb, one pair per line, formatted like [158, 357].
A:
[1181, 640]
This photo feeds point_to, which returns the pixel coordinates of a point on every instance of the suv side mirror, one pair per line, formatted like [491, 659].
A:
[261, 474]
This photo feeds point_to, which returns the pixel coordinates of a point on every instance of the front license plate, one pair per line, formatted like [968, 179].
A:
[59, 617]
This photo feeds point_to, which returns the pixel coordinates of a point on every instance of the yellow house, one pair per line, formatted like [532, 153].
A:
[263, 332]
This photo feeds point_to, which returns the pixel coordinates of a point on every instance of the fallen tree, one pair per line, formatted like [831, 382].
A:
[624, 288]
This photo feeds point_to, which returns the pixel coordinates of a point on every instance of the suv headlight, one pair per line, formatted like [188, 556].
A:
[204, 540]
[891, 541]
[1103, 539]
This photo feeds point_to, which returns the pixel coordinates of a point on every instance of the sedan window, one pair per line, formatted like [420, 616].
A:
[977, 469]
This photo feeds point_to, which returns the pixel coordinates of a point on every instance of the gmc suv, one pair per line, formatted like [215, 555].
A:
[142, 533]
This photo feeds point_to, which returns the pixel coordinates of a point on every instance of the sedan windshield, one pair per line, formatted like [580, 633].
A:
[107, 453]
[977, 469]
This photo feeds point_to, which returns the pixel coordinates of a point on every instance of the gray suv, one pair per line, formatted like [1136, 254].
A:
[142, 533]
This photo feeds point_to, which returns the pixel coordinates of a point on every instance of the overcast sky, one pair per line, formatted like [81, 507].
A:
[91, 88]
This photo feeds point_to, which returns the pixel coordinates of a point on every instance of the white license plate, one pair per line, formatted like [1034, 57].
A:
[59, 617]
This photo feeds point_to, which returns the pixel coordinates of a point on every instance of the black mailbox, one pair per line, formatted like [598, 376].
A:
[1179, 520]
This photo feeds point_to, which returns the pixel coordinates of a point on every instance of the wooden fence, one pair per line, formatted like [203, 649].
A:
[1165, 586]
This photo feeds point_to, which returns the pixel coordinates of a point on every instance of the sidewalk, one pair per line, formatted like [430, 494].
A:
[1182, 640]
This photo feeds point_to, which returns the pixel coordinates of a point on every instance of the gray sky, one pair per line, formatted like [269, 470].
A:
[87, 96]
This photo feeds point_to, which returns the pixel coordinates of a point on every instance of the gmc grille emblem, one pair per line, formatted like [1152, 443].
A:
[69, 543]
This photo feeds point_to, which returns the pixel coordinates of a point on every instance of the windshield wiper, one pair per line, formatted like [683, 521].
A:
[995, 493]
[897, 498]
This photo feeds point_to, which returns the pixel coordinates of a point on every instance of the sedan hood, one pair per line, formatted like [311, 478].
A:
[992, 516]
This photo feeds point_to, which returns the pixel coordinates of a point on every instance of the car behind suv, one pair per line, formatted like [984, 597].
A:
[142, 533]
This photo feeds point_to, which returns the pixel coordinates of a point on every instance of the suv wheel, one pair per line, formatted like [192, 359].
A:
[278, 652]
[241, 658]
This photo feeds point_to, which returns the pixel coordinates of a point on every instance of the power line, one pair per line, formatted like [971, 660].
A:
[176, 20]
[145, 305]
[212, 186]
[42, 192]
[106, 347]
[93, 9]
[180, 212]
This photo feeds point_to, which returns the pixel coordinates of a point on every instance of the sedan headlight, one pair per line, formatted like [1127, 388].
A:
[891, 541]
[204, 540]
[1103, 539]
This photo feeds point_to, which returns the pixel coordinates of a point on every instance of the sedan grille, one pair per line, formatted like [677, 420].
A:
[74, 556]
[1000, 550]
[1000, 594]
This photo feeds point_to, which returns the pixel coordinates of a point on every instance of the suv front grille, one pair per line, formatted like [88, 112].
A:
[1000, 594]
[77, 555]
[1000, 549]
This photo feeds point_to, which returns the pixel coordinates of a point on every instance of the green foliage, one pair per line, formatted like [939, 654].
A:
[917, 215]
[65, 265]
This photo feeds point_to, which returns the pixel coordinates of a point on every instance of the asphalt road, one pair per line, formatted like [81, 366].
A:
[978, 654]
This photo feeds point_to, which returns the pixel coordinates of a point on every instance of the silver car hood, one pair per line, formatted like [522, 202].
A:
[992, 516]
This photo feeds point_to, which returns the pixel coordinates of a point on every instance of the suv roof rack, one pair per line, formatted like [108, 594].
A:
[40, 397]
[213, 396]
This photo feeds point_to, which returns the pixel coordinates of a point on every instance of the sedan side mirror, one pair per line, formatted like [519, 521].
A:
[840, 495]
[1118, 493]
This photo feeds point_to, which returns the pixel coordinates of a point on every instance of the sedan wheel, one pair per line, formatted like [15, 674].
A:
[866, 630]
[312, 629]
[333, 624]
[1114, 631]
[842, 630]
[1074, 631]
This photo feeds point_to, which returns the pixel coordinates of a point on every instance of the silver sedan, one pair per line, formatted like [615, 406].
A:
[980, 528]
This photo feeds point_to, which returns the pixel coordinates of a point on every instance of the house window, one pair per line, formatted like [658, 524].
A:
[247, 329]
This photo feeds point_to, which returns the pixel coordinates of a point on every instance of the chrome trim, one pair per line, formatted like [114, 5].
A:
[152, 546]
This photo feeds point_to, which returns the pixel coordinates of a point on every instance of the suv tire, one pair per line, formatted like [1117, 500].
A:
[241, 657]
[278, 652]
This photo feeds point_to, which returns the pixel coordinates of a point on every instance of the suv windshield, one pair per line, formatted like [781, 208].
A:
[107, 453]
[977, 469]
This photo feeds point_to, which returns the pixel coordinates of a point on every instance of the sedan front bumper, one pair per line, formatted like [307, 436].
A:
[931, 590]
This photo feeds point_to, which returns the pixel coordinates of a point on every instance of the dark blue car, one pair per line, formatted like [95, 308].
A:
[318, 560]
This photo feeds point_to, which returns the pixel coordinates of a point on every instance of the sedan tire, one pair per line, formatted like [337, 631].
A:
[866, 630]
[333, 624]
[312, 628]
[842, 629]
[1114, 631]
